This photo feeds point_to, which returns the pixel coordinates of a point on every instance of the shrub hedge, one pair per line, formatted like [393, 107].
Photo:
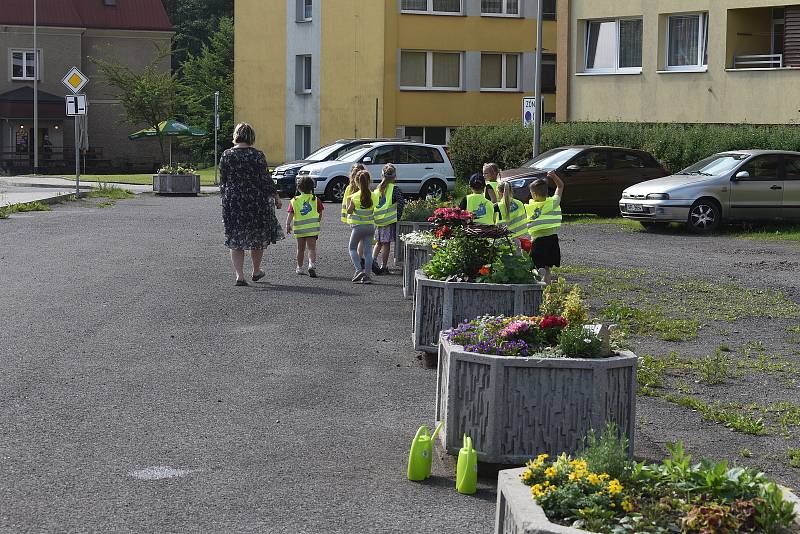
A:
[676, 146]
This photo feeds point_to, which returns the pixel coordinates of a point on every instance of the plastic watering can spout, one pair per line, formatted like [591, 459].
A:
[436, 432]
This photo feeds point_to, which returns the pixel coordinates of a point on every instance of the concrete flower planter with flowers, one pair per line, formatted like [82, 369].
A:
[440, 305]
[414, 257]
[516, 407]
[176, 184]
[403, 228]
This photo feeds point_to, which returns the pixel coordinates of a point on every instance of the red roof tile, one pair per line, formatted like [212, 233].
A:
[126, 15]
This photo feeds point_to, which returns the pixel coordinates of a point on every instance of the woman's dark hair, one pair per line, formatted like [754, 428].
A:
[244, 133]
[539, 187]
[306, 185]
[364, 179]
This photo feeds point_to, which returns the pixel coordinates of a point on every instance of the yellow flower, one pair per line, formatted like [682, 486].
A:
[614, 487]
[613, 505]
[627, 505]
[536, 490]
[604, 476]
[542, 457]
[578, 474]
[546, 483]
[526, 476]
[593, 478]
[550, 472]
[434, 246]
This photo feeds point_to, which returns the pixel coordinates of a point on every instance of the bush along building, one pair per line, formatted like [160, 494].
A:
[701, 61]
[384, 68]
[69, 33]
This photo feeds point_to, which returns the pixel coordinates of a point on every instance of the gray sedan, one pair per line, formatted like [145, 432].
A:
[743, 185]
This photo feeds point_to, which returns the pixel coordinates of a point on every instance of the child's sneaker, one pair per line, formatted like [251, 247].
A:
[376, 269]
[300, 271]
[358, 276]
[312, 272]
[366, 280]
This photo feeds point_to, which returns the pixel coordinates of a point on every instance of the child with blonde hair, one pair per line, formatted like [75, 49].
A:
[388, 201]
[361, 216]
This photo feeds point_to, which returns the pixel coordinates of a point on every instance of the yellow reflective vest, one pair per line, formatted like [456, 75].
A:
[543, 216]
[306, 216]
[517, 220]
[481, 208]
[347, 194]
[385, 211]
[361, 215]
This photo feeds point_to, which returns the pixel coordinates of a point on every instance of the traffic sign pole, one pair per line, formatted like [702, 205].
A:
[77, 160]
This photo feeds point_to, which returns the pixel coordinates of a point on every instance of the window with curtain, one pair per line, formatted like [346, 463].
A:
[446, 70]
[431, 6]
[430, 70]
[500, 7]
[614, 45]
[499, 71]
[413, 69]
[687, 39]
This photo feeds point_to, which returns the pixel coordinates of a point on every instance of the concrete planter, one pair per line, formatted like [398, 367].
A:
[515, 408]
[403, 228]
[442, 305]
[176, 184]
[414, 257]
[518, 513]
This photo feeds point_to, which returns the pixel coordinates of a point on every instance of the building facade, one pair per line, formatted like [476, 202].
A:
[693, 61]
[69, 33]
[312, 71]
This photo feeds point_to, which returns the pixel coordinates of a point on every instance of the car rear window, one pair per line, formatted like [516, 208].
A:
[419, 154]
[626, 160]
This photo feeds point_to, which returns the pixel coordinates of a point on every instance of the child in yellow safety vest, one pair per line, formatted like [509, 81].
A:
[512, 212]
[361, 216]
[491, 173]
[389, 203]
[304, 220]
[544, 220]
[476, 202]
[350, 190]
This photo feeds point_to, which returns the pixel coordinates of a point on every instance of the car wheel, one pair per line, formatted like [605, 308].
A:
[704, 216]
[335, 190]
[434, 188]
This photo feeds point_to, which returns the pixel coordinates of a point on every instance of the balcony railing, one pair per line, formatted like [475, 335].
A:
[763, 61]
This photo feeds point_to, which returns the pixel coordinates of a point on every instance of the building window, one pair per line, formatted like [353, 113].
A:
[509, 8]
[614, 45]
[549, 9]
[687, 41]
[22, 64]
[303, 81]
[435, 71]
[437, 7]
[304, 10]
[302, 141]
[549, 67]
[432, 135]
[499, 72]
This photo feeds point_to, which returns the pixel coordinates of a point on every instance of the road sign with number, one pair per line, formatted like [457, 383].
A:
[76, 105]
[75, 80]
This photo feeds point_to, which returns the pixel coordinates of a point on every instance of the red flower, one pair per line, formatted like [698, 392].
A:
[526, 244]
[484, 271]
[553, 321]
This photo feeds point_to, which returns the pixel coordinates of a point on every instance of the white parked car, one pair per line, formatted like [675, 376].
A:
[421, 169]
[741, 185]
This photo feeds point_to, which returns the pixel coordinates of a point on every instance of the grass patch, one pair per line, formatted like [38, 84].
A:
[651, 320]
[745, 453]
[794, 456]
[588, 218]
[714, 369]
[106, 204]
[206, 178]
[23, 208]
[650, 373]
[726, 415]
[110, 192]
[768, 232]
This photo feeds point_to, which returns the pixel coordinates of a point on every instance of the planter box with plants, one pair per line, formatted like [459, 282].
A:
[419, 248]
[602, 491]
[521, 385]
[176, 180]
[415, 219]
[477, 271]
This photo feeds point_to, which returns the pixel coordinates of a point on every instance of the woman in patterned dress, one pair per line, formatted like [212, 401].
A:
[249, 200]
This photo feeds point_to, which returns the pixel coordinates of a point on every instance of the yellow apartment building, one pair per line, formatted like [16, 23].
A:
[694, 61]
[311, 71]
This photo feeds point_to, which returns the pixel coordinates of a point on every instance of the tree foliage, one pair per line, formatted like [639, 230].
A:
[147, 96]
[194, 21]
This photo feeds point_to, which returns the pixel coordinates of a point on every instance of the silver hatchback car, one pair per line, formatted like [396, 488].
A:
[742, 185]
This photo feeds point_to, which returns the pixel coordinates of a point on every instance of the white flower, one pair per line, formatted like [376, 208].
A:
[587, 340]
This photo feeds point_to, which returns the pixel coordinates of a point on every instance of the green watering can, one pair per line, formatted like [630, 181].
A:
[421, 453]
[467, 468]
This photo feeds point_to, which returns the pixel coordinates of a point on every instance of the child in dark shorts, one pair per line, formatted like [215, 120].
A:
[544, 214]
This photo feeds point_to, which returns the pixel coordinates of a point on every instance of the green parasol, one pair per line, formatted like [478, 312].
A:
[169, 129]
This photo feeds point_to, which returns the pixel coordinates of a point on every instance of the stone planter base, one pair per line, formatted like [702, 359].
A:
[518, 513]
[442, 305]
[176, 184]
[403, 228]
[515, 408]
[414, 257]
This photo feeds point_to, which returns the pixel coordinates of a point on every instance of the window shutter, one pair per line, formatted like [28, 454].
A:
[791, 46]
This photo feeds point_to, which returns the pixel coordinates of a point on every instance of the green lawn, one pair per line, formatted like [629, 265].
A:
[206, 178]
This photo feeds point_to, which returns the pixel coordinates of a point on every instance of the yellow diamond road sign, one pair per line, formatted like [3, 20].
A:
[75, 80]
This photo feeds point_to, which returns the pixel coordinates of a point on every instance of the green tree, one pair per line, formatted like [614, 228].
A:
[209, 71]
[148, 96]
[194, 21]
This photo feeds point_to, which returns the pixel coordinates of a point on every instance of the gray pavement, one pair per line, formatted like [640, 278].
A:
[287, 406]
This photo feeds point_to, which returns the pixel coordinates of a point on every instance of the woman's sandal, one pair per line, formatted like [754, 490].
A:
[258, 276]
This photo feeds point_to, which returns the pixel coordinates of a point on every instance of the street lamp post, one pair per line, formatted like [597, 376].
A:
[216, 131]
[538, 105]
[35, 92]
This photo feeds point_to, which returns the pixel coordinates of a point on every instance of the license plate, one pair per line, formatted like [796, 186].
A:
[637, 208]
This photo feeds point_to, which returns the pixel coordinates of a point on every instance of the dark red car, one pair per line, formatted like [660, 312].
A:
[594, 176]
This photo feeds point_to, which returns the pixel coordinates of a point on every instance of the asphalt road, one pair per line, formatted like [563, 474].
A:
[287, 406]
